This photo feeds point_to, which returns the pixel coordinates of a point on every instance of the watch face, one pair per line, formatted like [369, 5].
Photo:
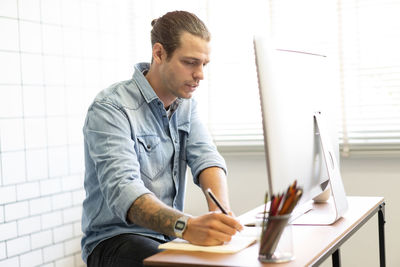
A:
[180, 225]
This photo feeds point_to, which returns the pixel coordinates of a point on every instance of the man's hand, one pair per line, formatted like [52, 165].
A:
[210, 229]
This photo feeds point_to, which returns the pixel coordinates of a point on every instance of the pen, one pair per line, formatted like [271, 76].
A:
[216, 202]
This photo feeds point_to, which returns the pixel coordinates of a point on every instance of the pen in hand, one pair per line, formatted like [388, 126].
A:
[216, 202]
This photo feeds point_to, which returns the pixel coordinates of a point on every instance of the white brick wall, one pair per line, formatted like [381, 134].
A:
[78, 196]
[12, 169]
[16, 210]
[7, 194]
[78, 260]
[72, 246]
[1, 214]
[72, 214]
[72, 182]
[62, 233]
[53, 252]
[10, 262]
[40, 205]
[18, 245]
[29, 225]
[77, 229]
[8, 231]
[27, 191]
[50, 186]
[65, 262]
[32, 258]
[62, 200]
[41, 239]
[44, 95]
[52, 219]
[36, 164]
[2, 250]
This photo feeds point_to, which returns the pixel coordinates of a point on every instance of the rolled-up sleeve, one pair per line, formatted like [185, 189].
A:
[201, 151]
[108, 137]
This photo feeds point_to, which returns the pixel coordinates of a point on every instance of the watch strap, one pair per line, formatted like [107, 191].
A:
[181, 225]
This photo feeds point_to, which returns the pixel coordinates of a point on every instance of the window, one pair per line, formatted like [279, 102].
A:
[370, 74]
[308, 25]
[362, 36]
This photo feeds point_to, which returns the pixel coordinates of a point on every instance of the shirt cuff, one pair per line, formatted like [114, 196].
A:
[204, 166]
[128, 195]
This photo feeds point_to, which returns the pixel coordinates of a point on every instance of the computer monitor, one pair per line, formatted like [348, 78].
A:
[294, 87]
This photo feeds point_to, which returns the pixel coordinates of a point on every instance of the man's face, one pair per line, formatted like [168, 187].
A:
[182, 72]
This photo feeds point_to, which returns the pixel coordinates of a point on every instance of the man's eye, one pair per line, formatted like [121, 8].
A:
[189, 62]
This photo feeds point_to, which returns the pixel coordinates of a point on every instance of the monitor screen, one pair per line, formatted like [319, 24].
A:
[293, 86]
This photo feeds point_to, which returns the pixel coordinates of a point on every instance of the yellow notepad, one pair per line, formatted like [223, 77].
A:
[238, 242]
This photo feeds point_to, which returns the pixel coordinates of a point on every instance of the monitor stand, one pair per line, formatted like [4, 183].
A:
[327, 212]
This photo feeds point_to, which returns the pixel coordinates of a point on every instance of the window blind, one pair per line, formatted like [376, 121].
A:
[369, 75]
[234, 107]
[361, 36]
[235, 113]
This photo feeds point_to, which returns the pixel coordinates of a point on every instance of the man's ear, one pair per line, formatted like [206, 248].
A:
[159, 53]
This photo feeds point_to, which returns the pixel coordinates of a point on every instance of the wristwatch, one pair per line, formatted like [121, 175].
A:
[180, 225]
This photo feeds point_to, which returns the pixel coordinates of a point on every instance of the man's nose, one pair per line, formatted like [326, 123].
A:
[199, 73]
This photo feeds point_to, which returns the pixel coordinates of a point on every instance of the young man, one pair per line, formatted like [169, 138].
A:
[140, 135]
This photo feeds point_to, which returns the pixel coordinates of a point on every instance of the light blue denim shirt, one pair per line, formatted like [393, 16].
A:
[133, 148]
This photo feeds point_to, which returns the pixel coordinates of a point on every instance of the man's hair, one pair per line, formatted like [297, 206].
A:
[167, 29]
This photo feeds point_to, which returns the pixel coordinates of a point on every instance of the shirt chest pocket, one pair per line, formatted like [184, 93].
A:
[151, 156]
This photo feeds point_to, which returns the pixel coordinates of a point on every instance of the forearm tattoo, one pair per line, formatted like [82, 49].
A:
[149, 212]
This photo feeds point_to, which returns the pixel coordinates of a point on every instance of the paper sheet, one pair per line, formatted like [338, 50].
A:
[239, 241]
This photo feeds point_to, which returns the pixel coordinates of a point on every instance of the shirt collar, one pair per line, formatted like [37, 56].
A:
[145, 87]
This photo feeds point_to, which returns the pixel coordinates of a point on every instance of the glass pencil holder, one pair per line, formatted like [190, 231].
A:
[276, 241]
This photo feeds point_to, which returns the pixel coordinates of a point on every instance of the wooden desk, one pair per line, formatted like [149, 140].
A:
[312, 244]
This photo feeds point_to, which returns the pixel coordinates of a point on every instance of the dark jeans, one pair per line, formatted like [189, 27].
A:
[123, 250]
